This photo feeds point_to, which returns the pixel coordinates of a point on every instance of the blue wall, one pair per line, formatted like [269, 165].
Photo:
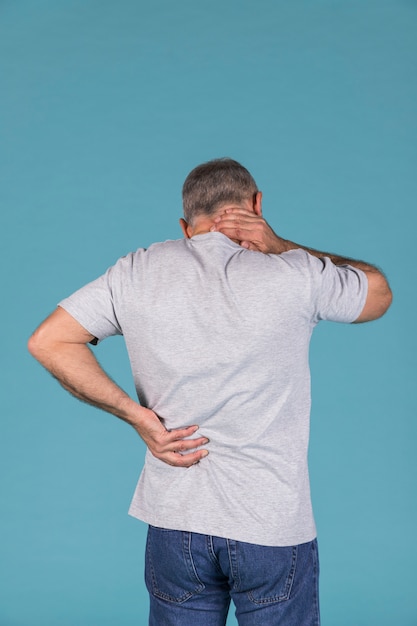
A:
[105, 107]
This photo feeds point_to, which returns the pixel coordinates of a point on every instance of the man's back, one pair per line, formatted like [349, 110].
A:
[218, 335]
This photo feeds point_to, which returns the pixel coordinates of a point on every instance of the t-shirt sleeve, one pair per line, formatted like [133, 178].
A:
[338, 291]
[93, 307]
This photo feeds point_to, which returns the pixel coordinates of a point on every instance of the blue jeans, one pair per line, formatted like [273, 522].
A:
[191, 579]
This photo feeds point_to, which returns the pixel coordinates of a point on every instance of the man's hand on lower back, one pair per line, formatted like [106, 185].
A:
[251, 230]
[170, 446]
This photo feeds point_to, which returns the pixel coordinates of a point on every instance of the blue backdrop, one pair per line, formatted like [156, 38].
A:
[105, 107]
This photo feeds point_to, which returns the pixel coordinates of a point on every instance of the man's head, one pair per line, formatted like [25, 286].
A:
[215, 184]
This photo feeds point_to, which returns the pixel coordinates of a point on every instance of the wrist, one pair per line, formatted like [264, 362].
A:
[279, 245]
[131, 411]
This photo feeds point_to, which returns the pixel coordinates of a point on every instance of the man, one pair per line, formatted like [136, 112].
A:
[218, 336]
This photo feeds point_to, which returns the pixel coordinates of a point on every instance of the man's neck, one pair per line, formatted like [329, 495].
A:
[202, 225]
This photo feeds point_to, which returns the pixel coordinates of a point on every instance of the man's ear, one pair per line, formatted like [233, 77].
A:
[185, 228]
[257, 203]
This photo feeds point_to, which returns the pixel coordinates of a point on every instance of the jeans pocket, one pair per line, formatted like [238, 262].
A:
[169, 568]
[266, 573]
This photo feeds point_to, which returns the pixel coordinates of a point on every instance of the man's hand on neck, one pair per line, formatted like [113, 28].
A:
[207, 223]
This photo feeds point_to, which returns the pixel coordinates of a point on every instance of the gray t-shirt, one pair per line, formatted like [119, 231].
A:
[219, 336]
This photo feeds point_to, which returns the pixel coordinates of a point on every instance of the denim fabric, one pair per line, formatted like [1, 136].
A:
[191, 579]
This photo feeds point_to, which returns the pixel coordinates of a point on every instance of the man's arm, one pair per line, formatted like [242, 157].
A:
[254, 233]
[60, 345]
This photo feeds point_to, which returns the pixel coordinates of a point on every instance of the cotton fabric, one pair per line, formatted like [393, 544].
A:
[218, 336]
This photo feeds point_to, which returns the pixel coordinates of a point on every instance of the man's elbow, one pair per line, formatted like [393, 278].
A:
[388, 299]
[38, 344]
[385, 301]
[34, 345]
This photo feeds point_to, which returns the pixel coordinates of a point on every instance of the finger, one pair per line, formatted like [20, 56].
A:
[247, 223]
[233, 217]
[239, 211]
[183, 445]
[185, 460]
[250, 245]
[180, 433]
[234, 230]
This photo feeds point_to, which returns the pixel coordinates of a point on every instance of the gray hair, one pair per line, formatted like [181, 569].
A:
[213, 184]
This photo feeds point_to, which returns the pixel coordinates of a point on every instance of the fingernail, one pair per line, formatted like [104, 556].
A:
[205, 453]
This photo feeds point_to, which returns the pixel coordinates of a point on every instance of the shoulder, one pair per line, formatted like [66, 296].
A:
[294, 262]
[144, 255]
[302, 260]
